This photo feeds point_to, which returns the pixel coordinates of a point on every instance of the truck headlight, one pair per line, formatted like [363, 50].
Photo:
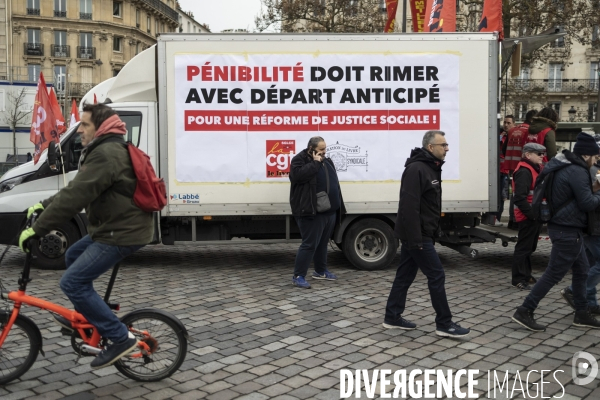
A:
[9, 184]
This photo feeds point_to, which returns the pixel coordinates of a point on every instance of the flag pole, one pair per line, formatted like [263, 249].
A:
[62, 163]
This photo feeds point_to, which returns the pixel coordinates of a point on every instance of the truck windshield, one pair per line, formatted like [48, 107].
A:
[133, 120]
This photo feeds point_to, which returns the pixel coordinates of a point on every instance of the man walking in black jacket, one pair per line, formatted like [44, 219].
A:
[417, 224]
[312, 173]
[572, 198]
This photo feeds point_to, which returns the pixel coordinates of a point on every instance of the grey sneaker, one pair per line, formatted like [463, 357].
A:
[114, 352]
[400, 323]
[454, 330]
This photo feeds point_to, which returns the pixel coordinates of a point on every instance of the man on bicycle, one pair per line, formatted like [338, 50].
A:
[104, 186]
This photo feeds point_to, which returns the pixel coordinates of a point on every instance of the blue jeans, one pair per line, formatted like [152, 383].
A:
[567, 253]
[411, 260]
[315, 232]
[592, 244]
[86, 260]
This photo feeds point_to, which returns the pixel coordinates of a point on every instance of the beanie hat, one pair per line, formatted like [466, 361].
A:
[586, 145]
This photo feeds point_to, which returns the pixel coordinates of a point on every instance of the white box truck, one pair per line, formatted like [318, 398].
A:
[222, 115]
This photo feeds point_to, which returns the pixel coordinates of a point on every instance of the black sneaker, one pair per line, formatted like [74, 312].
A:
[586, 319]
[522, 286]
[532, 280]
[63, 322]
[454, 330]
[524, 317]
[567, 294]
[594, 310]
[114, 352]
[399, 323]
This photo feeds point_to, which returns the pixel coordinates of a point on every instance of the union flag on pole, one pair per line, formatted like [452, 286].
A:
[60, 120]
[417, 9]
[440, 16]
[74, 114]
[391, 6]
[43, 124]
[491, 18]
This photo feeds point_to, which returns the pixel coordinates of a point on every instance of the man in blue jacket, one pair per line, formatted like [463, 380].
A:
[572, 198]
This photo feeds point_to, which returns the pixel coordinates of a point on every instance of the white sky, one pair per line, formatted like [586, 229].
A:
[223, 14]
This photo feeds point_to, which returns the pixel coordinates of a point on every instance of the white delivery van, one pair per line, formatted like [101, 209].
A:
[221, 116]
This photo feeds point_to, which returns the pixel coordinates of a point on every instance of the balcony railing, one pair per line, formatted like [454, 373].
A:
[163, 8]
[33, 49]
[553, 85]
[60, 51]
[60, 14]
[85, 15]
[79, 89]
[33, 11]
[86, 52]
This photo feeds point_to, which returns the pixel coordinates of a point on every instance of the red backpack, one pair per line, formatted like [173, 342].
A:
[150, 192]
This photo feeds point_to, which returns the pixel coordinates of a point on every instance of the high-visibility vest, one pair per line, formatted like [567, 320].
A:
[539, 138]
[519, 216]
[517, 137]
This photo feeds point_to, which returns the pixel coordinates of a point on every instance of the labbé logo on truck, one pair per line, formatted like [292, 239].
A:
[188, 198]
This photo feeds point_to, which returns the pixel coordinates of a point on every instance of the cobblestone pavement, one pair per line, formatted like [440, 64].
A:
[255, 336]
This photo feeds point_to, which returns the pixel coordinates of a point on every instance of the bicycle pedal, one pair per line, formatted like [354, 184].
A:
[66, 332]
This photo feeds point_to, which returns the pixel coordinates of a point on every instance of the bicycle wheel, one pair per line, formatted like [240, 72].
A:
[167, 343]
[20, 349]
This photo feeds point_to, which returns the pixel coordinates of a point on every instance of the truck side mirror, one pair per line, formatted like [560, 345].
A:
[54, 157]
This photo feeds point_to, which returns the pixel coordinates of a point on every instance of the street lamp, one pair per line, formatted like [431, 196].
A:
[572, 112]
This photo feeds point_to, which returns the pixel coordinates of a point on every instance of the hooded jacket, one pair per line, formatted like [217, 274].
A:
[538, 124]
[420, 205]
[104, 186]
[572, 195]
[594, 216]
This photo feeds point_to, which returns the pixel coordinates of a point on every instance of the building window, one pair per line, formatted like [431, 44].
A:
[118, 9]
[117, 43]
[148, 24]
[60, 8]
[85, 9]
[156, 28]
[137, 17]
[33, 72]
[33, 7]
[137, 48]
[594, 77]
[596, 37]
[521, 110]
[60, 73]
[382, 6]
[555, 77]
[116, 72]
[86, 50]
[592, 111]
[33, 47]
[60, 48]
[555, 105]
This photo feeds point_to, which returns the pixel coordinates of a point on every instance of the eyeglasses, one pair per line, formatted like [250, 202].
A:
[444, 145]
[541, 154]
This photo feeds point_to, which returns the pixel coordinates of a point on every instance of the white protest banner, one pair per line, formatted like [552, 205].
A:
[241, 118]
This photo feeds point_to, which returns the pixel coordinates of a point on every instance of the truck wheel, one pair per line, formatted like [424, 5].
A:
[51, 249]
[370, 244]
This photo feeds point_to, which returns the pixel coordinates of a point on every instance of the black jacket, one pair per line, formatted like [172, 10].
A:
[303, 190]
[522, 179]
[594, 216]
[420, 198]
[571, 190]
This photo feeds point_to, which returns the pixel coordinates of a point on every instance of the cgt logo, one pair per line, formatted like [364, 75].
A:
[279, 157]
[584, 368]
[189, 198]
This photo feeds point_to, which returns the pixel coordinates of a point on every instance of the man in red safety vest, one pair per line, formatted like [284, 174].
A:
[524, 178]
[515, 140]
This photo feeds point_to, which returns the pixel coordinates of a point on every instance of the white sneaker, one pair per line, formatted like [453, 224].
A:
[498, 223]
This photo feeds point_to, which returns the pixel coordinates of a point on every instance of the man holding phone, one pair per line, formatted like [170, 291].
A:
[316, 202]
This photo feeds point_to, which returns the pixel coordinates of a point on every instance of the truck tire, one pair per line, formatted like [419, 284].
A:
[50, 250]
[370, 244]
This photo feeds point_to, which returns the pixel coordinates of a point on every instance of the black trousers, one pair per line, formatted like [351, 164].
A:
[529, 232]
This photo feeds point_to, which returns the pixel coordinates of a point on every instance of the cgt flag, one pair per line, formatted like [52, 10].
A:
[417, 9]
[491, 18]
[60, 120]
[74, 114]
[440, 16]
[43, 124]
[392, 6]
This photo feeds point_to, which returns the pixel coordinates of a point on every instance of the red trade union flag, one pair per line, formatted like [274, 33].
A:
[417, 9]
[60, 120]
[392, 6]
[74, 114]
[95, 99]
[491, 18]
[43, 123]
[440, 16]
